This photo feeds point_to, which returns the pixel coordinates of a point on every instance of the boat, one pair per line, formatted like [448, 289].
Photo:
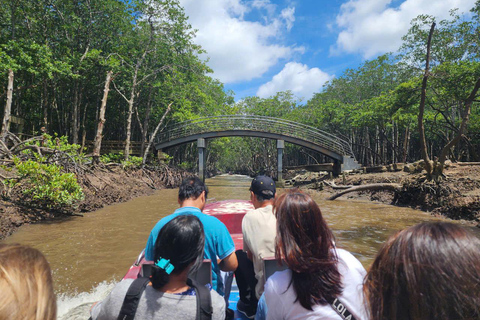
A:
[231, 213]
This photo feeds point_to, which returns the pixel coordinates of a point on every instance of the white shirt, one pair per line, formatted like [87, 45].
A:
[280, 298]
[259, 229]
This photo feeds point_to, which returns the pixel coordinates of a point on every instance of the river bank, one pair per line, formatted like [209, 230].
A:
[457, 196]
[102, 186]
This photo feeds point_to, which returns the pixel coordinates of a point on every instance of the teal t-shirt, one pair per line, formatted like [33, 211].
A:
[218, 242]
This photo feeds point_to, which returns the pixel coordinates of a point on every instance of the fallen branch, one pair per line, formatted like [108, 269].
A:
[370, 187]
[468, 163]
[334, 186]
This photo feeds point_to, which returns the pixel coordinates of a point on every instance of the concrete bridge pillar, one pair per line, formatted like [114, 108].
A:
[280, 147]
[201, 145]
[337, 168]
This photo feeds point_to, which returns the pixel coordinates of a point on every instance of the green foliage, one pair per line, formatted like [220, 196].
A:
[47, 187]
[186, 165]
[60, 144]
[56, 143]
[132, 161]
[112, 157]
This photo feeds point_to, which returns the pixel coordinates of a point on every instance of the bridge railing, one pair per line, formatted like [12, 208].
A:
[258, 124]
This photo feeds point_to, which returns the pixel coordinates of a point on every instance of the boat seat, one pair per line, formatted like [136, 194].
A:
[272, 265]
[203, 275]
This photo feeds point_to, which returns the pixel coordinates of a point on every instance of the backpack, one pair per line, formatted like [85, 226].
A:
[135, 291]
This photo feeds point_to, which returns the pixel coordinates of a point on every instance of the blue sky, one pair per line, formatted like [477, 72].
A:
[260, 47]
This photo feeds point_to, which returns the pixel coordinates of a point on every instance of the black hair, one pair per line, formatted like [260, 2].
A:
[192, 187]
[265, 195]
[181, 241]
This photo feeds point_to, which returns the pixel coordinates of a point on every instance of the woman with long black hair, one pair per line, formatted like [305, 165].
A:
[178, 251]
[322, 281]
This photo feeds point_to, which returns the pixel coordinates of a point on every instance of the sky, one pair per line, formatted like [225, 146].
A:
[261, 47]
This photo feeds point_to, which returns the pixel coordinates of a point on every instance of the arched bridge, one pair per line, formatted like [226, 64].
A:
[257, 126]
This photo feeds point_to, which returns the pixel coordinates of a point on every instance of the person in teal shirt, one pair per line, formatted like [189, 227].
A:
[219, 246]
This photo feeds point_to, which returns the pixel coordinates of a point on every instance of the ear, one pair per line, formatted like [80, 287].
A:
[252, 196]
[202, 196]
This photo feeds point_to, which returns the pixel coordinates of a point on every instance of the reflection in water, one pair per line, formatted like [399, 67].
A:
[85, 251]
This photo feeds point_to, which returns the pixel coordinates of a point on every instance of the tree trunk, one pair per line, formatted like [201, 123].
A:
[45, 105]
[74, 127]
[376, 148]
[394, 142]
[98, 138]
[155, 133]
[406, 142]
[129, 118]
[461, 130]
[84, 131]
[421, 127]
[8, 105]
[145, 123]
[131, 101]
[368, 150]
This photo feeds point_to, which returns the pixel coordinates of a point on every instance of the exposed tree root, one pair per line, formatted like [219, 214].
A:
[370, 187]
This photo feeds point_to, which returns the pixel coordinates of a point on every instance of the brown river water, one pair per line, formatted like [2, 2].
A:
[96, 250]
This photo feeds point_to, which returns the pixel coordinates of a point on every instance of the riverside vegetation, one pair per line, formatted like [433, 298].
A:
[49, 178]
[122, 70]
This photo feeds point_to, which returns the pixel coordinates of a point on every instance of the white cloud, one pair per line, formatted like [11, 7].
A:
[371, 27]
[288, 14]
[298, 78]
[264, 4]
[238, 49]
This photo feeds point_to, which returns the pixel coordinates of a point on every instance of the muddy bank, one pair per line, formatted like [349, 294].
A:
[457, 196]
[102, 186]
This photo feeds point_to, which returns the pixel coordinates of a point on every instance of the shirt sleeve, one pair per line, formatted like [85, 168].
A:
[96, 311]
[109, 308]
[273, 302]
[245, 223]
[262, 309]
[225, 245]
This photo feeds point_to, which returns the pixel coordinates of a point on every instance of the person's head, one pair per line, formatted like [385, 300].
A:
[26, 286]
[262, 189]
[193, 192]
[305, 244]
[428, 271]
[181, 241]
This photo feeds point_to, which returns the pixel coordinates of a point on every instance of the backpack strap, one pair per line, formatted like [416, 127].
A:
[204, 300]
[130, 303]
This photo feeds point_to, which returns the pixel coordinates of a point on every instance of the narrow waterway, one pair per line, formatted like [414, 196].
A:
[92, 252]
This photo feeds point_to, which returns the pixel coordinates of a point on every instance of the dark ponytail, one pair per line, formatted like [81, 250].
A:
[159, 277]
[181, 241]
